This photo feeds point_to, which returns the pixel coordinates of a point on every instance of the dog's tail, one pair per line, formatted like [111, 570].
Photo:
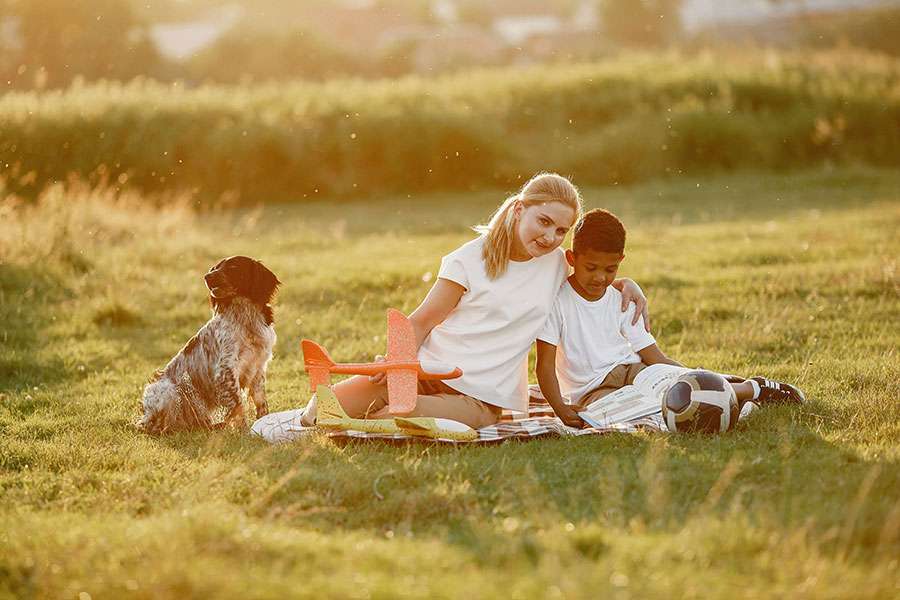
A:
[317, 362]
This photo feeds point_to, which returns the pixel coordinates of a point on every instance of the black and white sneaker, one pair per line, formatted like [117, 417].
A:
[775, 392]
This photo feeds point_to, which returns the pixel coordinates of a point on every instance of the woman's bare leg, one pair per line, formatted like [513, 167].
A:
[464, 409]
[358, 397]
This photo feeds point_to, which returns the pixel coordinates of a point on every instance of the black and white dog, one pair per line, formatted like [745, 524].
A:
[230, 353]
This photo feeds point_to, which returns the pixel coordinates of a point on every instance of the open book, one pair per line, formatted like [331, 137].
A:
[640, 399]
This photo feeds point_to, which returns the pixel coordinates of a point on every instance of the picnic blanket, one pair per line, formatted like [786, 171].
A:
[540, 421]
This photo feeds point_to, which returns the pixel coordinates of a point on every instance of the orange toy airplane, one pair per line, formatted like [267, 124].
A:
[402, 367]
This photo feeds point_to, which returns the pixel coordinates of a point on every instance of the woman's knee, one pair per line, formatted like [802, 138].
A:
[359, 398]
[488, 415]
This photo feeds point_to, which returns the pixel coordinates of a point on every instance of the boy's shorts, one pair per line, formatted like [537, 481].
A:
[619, 377]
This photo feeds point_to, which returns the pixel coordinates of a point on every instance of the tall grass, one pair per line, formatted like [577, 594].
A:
[613, 122]
[66, 222]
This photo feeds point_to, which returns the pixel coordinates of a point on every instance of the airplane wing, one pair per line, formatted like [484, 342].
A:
[402, 383]
[401, 339]
[403, 391]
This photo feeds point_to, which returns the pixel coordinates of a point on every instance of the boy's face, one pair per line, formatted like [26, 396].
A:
[594, 271]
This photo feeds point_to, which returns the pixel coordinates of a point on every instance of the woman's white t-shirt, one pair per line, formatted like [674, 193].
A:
[489, 333]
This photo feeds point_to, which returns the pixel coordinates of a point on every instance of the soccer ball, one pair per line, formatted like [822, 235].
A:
[700, 401]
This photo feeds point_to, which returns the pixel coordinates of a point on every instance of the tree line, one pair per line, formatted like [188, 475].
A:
[58, 42]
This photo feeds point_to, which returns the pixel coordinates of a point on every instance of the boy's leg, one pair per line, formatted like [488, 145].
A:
[632, 370]
[767, 391]
[744, 391]
[612, 382]
[619, 377]
[777, 392]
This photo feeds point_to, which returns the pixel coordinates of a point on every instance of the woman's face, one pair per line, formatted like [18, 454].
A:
[541, 228]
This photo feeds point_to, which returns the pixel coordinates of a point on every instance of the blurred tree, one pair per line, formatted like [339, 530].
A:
[242, 55]
[419, 10]
[398, 58]
[94, 39]
[876, 29]
[475, 13]
[8, 54]
[650, 23]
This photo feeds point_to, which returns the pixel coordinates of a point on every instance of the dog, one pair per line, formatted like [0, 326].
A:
[230, 353]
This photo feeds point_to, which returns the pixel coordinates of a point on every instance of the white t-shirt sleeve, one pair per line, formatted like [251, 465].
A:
[638, 337]
[552, 331]
[453, 269]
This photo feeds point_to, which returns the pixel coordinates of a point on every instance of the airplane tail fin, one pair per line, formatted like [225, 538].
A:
[402, 392]
[332, 416]
[327, 406]
[317, 362]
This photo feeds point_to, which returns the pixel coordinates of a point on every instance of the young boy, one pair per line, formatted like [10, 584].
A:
[592, 345]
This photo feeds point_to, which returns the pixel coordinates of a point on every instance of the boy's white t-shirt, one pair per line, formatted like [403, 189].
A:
[489, 333]
[591, 338]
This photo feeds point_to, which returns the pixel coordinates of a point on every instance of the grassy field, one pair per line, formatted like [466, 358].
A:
[792, 276]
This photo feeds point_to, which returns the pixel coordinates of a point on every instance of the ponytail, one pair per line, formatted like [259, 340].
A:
[499, 234]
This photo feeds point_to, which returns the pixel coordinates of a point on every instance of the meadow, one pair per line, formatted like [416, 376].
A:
[788, 275]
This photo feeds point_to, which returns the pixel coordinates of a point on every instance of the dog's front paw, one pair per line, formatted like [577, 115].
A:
[236, 424]
[235, 418]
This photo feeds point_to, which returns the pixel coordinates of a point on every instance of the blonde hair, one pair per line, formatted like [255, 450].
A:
[500, 231]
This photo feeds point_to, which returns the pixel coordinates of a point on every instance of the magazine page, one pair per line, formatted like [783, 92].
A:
[620, 406]
[655, 380]
[641, 399]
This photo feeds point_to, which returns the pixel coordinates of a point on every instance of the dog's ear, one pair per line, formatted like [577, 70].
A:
[218, 304]
[264, 283]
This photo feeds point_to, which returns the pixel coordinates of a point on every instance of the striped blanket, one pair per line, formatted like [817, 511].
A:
[539, 422]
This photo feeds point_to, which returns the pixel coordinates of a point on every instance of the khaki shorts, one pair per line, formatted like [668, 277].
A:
[362, 400]
[618, 378]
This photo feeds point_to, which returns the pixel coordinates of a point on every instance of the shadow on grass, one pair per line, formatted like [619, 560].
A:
[32, 304]
[484, 498]
[24, 295]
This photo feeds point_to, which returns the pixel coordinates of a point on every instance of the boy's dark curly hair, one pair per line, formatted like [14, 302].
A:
[599, 230]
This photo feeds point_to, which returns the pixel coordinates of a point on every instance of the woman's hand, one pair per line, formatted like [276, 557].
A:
[632, 292]
[378, 378]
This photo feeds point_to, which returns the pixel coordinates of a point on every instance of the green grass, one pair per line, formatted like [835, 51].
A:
[792, 276]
